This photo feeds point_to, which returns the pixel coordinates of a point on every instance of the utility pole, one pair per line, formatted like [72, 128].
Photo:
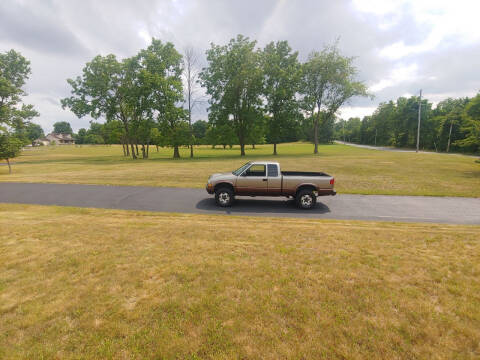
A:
[419, 116]
[375, 136]
[449, 135]
[343, 132]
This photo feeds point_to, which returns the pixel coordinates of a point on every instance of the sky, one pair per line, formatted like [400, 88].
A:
[400, 46]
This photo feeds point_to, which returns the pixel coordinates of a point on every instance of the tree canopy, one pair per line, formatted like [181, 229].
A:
[62, 127]
[10, 147]
[328, 83]
[282, 73]
[234, 81]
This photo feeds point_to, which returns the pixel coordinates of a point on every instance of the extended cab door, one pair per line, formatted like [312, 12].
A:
[253, 181]
[274, 180]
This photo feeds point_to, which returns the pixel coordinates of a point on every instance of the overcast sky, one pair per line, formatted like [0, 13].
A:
[401, 46]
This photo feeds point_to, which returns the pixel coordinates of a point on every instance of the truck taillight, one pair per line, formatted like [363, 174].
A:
[332, 181]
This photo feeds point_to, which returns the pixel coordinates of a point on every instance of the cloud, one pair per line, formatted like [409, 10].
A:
[400, 46]
[397, 76]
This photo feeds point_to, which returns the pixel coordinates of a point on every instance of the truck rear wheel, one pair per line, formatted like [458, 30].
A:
[306, 199]
[224, 197]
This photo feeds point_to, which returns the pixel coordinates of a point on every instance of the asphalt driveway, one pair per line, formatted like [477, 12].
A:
[454, 210]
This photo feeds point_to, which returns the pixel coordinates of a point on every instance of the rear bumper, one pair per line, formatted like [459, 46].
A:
[326, 192]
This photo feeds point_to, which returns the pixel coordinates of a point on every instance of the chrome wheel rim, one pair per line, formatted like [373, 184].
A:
[306, 200]
[224, 198]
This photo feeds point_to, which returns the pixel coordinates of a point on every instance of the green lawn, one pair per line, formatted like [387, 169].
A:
[358, 171]
[104, 284]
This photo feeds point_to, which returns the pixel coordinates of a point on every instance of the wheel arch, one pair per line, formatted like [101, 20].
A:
[305, 187]
[224, 184]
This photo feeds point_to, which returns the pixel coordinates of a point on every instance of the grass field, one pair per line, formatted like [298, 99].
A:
[356, 170]
[84, 283]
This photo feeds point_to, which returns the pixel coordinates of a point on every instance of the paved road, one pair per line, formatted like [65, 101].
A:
[388, 148]
[356, 207]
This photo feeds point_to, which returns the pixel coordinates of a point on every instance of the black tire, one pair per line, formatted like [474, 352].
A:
[224, 197]
[306, 199]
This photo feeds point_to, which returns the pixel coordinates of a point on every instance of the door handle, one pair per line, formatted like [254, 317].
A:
[265, 180]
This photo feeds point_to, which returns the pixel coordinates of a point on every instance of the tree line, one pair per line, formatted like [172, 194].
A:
[255, 95]
[453, 125]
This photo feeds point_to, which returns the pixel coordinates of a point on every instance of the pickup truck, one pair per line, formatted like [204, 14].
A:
[264, 178]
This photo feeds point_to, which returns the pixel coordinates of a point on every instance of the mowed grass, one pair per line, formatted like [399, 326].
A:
[85, 283]
[358, 171]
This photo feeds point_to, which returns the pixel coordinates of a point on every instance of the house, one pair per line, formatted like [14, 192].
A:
[57, 139]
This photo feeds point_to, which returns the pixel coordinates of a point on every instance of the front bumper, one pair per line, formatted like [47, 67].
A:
[209, 188]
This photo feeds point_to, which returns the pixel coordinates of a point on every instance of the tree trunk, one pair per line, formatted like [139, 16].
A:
[449, 136]
[124, 151]
[274, 148]
[136, 147]
[144, 153]
[157, 147]
[176, 153]
[224, 146]
[315, 133]
[148, 149]
[133, 151]
[242, 149]
[9, 167]
[253, 146]
[191, 151]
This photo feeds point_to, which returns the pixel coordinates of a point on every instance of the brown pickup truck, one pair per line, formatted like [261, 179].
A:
[264, 178]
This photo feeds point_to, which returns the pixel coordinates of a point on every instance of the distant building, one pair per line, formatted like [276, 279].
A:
[57, 139]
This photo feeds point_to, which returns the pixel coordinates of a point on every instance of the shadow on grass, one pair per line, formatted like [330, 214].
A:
[472, 174]
[251, 205]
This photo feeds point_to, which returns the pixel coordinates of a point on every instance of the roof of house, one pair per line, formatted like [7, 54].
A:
[61, 136]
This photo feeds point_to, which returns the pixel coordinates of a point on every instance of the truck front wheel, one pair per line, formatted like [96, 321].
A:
[306, 199]
[224, 197]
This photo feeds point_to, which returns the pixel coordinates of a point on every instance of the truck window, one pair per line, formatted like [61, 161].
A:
[272, 170]
[256, 170]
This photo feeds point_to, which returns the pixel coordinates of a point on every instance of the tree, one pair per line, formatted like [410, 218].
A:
[92, 138]
[175, 130]
[282, 78]
[220, 134]
[234, 81]
[62, 127]
[114, 133]
[34, 132]
[103, 90]
[14, 71]
[472, 126]
[328, 83]
[199, 130]
[257, 135]
[448, 119]
[10, 147]
[190, 64]
[157, 138]
[80, 136]
[161, 91]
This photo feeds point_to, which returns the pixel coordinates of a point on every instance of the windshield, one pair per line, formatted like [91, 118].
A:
[240, 170]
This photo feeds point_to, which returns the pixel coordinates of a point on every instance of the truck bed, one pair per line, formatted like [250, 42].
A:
[303, 173]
